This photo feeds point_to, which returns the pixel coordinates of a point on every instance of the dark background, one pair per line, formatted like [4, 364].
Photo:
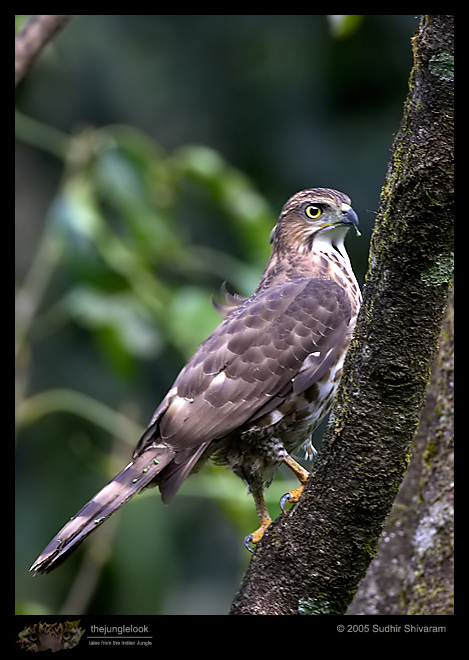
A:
[153, 155]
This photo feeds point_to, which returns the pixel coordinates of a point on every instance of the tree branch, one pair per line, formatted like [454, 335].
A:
[313, 561]
[32, 38]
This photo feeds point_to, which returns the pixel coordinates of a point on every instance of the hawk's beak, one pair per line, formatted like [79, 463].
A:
[350, 217]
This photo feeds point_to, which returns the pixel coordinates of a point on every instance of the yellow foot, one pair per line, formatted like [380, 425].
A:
[256, 536]
[262, 514]
[302, 475]
[293, 496]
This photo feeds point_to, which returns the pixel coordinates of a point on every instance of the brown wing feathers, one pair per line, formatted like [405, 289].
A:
[251, 357]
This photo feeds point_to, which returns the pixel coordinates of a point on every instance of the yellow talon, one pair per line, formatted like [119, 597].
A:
[263, 514]
[264, 518]
[302, 475]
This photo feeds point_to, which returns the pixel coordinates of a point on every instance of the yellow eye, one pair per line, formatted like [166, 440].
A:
[313, 211]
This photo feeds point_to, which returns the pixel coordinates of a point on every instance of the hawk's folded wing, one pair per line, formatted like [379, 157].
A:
[282, 339]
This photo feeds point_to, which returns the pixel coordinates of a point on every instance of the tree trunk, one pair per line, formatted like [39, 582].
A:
[312, 561]
[413, 571]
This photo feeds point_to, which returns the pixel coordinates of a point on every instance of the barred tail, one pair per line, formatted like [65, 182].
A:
[125, 485]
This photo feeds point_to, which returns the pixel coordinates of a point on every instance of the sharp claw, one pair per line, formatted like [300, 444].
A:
[293, 496]
[247, 541]
[285, 498]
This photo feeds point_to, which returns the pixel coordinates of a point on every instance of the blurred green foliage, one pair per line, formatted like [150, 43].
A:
[153, 156]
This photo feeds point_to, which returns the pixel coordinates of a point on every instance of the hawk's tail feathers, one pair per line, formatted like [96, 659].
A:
[138, 474]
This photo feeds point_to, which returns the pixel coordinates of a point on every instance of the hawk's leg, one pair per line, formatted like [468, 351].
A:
[263, 513]
[294, 495]
[257, 492]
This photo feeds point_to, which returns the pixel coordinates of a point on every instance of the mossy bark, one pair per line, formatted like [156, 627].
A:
[313, 561]
[413, 571]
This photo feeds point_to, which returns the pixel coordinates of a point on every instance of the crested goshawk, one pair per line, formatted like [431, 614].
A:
[259, 385]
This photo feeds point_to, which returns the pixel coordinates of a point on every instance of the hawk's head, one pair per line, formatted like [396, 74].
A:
[314, 218]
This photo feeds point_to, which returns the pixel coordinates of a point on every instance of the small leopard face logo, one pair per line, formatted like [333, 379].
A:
[50, 636]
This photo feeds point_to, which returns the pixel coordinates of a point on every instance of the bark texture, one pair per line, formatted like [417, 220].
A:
[413, 571]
